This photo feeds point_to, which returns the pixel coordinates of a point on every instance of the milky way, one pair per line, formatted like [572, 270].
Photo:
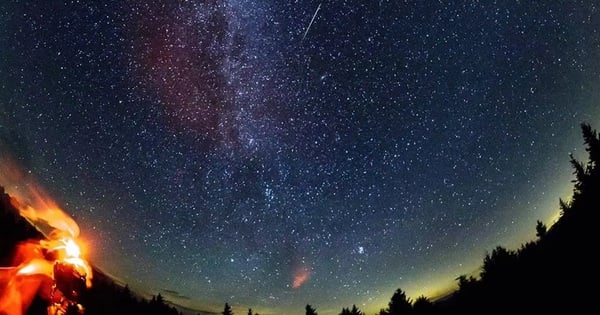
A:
[272, 154]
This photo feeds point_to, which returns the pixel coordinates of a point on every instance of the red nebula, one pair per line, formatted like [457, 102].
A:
[301, 275]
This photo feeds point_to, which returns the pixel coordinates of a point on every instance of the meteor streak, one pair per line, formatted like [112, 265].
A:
[311, 22]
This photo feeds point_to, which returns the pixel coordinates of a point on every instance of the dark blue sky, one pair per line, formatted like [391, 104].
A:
[210, 153]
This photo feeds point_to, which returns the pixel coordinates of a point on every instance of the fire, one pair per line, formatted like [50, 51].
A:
[58, 257]
[68, 251]
[35, 267]
[59, 228]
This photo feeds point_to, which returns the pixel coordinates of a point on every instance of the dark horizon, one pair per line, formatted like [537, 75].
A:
[522, 273]
[275, 152]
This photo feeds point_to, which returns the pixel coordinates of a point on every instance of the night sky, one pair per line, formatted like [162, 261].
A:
[236, 151]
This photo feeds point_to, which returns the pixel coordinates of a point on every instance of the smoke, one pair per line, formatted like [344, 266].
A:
[33, 202]
[36, 261]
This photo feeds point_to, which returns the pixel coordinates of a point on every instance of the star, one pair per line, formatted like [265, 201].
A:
[304, 151]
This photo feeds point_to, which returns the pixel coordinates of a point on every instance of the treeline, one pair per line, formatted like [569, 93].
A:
[105, 297]
[551, 273]
[555, 273]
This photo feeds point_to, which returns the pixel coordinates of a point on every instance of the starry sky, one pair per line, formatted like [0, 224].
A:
[277, 153]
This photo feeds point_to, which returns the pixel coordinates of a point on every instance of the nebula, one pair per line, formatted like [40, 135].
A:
[301, 276]
[271, 153]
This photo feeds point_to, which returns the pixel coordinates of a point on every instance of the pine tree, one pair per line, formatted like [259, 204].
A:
[310, 310]
[355, 311]
[565, 207]
[399, 304]
[540, 229]
[496, 265]
[422, 305]
[581, 175]
[592, 142]
[227, 310]
[345, 311]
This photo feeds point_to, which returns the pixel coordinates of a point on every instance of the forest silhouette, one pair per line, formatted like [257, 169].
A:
[549, 274]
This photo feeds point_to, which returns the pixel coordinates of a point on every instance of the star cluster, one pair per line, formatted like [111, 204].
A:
[213, 153]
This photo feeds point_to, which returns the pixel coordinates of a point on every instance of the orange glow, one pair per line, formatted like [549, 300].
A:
[39, 258]
[61, 240]
[301, 275]
[67, 250]
[35, 267]
[37, 207]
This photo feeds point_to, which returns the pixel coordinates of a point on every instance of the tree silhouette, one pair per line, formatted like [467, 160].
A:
[465, 283]
[353, 311]
[227, 310]
[422, 305]
[496, 265]
[518, 281]
[564, 206]
[310, 310]
[592, 142]
[399, 304]
[540, 229]
[580, 173]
